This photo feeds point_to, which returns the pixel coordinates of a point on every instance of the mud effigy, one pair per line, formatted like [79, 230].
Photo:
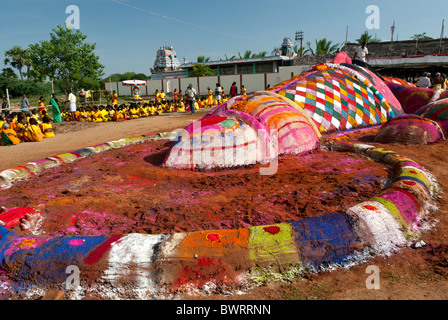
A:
[122, 252]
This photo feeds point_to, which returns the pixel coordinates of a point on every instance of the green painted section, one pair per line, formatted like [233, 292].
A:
[267, 248]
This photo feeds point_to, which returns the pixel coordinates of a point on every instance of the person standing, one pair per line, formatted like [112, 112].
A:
[424, 81]
[72, 105]
[437, 82]
[114, 97]
[233, 90]
[190, 93]
[361, 53]
[25, 104]
[218, 93]
[4, 105]
[56, 110]
[243, 90]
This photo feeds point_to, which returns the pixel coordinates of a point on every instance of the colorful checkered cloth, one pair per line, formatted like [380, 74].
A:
[338, 98]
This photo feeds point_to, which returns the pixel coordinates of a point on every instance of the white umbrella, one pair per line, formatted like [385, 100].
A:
[134, 83]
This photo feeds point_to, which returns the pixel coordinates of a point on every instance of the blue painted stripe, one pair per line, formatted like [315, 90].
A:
[326, 240]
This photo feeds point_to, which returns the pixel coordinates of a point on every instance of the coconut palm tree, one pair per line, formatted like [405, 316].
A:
[17, 58]
[229, 58]
[247, 54]
[323, 46]
[366, 38]
[301, 51]
[202, 59]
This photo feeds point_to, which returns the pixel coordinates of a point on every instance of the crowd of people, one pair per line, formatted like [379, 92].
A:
[439, 81]
[25, 126]
[35, 124]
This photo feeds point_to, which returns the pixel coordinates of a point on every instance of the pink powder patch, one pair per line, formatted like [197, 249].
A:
[76, 242]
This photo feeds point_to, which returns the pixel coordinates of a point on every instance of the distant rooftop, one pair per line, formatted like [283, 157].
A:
[233, 61]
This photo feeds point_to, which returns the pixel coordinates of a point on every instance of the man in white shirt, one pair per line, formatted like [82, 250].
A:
[424, 81]
[191, 97]
[72, 101]
[361, 53]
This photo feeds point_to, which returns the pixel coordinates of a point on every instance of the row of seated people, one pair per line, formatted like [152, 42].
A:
[25, 127]
[132, 111]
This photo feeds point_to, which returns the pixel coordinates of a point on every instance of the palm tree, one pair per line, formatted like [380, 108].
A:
[202, 59]
[28, 62]
[247, 54]
[301, 51]
[323, 46]
[260, 54]
[231, 58]
[17, 58]
[366, 38]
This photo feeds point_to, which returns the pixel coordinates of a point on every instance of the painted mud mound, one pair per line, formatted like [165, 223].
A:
[410, 129]
[413, 98]
[126, 190]
[341, 97]
[245, 130]
[436, 111]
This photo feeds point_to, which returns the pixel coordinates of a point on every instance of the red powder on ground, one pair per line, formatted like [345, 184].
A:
[126, 190]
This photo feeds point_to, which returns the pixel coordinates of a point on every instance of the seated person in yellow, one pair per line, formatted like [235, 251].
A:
[104, 113]
[41, 105]
[111, 113]
[114, 97]
[97, 116]
[152, 111]
[89, 113]
[159, 108]
[8, 136]
[170, 107]
[134, 113]
[180, 106]
[37, 116]
[46, 128]
[82, 115]
[33, 132]
[196, 105]
[21, 126]
[144, 112]
[119, 116]
[165, 106]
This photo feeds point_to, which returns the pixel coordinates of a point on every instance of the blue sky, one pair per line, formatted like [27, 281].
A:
[128, 33]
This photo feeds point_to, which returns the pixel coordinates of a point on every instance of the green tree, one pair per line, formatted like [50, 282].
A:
[301, 51]
[365, 37]
[202, 59]
[8, 73]
[421, 36]
[323, 46]
[247, 54]
[201, 70]
[66, 58]
[17, 58]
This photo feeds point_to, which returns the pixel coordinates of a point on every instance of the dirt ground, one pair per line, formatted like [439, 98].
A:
[412, 274]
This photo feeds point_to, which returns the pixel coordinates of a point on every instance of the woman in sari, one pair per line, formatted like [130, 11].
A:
[56, 111]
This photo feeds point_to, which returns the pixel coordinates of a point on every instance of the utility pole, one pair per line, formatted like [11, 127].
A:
[392, 29]
[441, 36]
[346, 40]
[299, 36]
